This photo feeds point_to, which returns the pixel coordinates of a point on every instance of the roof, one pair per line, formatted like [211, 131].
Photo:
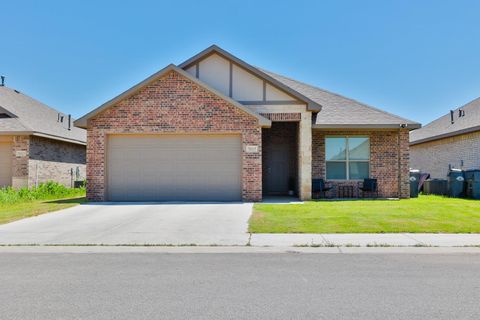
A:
[29, 116]
[311, 104]
[443, 126]
[82, 122]
[332, 110]
[341, 112]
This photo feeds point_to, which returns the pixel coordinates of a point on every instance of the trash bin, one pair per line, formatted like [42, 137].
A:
[435, 186]
[473, 183]
[456, 183]
[472, 174]
[414, 181]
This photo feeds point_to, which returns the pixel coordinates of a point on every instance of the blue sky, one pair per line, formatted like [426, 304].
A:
[417, 59]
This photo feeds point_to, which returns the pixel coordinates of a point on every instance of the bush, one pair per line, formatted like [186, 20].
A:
[45, 191]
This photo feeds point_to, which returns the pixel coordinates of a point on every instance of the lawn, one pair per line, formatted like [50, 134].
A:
[27, 202]
[431, 214]
[16, 211]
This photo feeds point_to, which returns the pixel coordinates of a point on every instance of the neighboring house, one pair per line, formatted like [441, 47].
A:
[37, 143]
[218, 128]
[451, 141]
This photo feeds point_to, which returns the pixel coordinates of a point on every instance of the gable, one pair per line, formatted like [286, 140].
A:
[174, 103]
[134, 91]
[235, 81]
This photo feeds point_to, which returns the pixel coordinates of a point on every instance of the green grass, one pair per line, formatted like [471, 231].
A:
[45, 191]
[16, 211]
[432, 214]
[27, 202]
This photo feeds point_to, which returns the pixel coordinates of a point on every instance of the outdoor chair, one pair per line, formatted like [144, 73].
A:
[368, 186]
[319, 186]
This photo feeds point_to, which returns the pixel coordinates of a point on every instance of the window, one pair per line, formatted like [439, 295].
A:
[347, 158]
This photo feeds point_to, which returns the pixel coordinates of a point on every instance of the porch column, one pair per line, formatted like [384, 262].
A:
[305, 156]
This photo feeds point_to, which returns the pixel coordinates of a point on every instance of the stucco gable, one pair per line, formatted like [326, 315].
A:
[238, 70]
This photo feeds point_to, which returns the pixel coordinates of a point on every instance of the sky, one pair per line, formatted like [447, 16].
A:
[417, 59]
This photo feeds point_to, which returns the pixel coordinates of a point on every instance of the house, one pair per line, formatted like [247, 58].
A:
[217, 128]
[451, 141]
[37, 143]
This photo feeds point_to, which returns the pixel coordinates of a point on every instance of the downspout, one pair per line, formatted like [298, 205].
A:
[36, 174]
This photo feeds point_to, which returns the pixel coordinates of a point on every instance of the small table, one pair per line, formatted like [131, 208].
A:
[346, 192]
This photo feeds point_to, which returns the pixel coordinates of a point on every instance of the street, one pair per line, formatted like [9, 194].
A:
[239, 286]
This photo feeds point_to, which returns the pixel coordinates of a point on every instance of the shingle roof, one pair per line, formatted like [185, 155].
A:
[33, 117]
[341, 112]
[443, 126]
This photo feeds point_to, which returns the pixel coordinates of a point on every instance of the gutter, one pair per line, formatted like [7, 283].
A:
[43, 135]
[409, 126]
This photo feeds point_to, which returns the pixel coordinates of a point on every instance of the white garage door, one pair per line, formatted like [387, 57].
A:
[174, 168]
[5, 164]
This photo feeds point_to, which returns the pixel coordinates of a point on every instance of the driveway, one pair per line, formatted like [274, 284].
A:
[114, 223]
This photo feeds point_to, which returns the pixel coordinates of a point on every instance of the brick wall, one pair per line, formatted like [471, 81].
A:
[173, 104]
[384, 160]
[53, 160]
[462, 151]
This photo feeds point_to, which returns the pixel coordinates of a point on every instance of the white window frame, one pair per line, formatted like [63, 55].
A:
[347, 156]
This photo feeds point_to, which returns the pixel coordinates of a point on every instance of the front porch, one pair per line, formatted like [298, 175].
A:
[287, 156]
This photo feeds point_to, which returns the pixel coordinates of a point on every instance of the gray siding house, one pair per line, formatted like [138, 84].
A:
[37, 143]
[451, 141]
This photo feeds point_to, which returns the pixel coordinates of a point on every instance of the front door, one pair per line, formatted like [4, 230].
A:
[279, 159]
[277, 173]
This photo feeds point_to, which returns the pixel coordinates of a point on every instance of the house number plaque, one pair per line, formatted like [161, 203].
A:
[251, 149]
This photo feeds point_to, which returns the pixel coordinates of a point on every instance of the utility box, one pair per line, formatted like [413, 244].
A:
[456, 183]
[414, 182]
[435, 186]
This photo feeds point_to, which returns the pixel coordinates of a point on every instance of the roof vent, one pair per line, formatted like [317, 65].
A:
[461, 113]
[2, 81]
[69, 122]
[452, 121]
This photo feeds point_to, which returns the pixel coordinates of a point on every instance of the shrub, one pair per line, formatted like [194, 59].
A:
[45, 191]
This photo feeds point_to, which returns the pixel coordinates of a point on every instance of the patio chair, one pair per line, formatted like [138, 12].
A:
[319, 186]
[368, 186]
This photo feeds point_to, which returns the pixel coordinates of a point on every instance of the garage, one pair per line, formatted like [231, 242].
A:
[5, 164]
[167, 167]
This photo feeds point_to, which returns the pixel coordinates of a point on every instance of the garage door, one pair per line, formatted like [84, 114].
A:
[174, 168]
[5, 164]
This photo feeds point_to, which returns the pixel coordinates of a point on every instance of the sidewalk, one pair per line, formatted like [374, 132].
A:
[364, 240]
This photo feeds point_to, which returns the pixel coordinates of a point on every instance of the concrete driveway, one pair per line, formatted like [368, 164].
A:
[114, 223]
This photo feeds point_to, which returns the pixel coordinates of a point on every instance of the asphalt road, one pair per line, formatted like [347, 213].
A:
[239, 286]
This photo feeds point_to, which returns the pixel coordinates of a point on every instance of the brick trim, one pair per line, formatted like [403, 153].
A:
[283, 116]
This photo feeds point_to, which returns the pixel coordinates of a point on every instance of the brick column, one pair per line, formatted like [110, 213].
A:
[404, 167]
[305, 156]
[20, 156]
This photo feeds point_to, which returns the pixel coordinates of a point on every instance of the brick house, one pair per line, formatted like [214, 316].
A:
[217, 128]
[37, 143]
[451, 141]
